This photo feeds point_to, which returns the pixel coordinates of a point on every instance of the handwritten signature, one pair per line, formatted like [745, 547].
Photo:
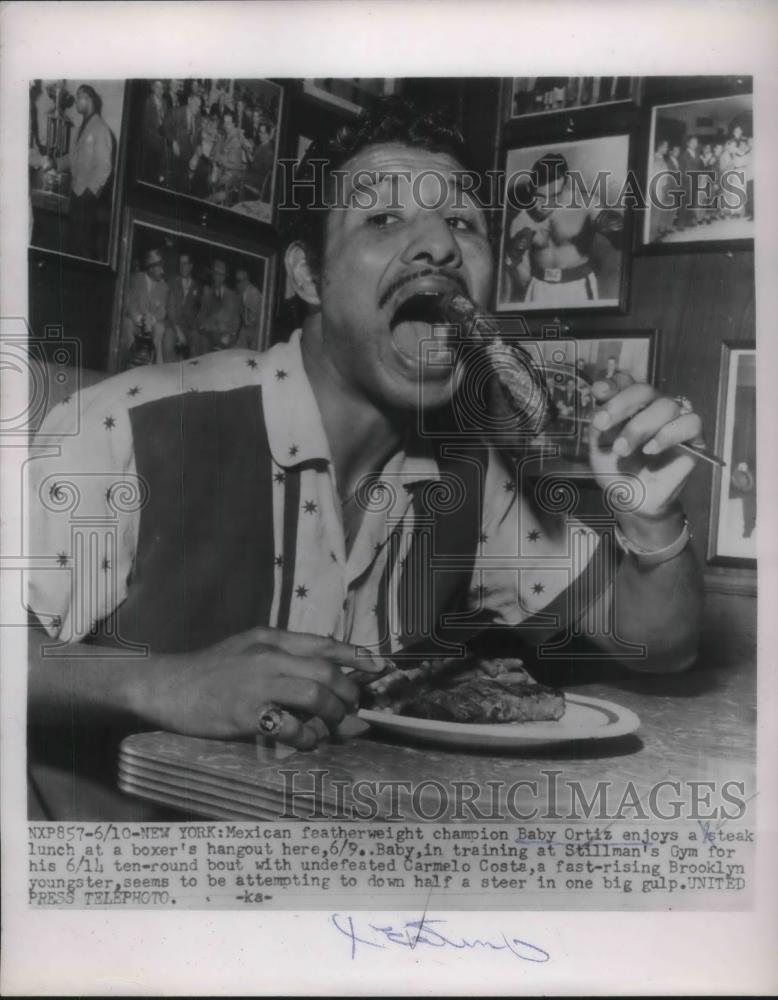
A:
[415, 933]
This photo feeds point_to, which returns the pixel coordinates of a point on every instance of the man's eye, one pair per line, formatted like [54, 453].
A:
[382, 220]
[459, 222]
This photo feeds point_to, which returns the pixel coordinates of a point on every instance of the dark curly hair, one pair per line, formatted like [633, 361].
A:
[391, 120]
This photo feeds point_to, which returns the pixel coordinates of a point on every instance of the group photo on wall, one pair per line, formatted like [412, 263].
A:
[570, 368]
[703, 150]
[184, 296]
[212, 140]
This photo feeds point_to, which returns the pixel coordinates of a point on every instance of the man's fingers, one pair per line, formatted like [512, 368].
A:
[324, 672]
[687, 428]
[307, 695]
[309, 644]
[604, 388]
[296, 733]
[623, 406]
[644, 425]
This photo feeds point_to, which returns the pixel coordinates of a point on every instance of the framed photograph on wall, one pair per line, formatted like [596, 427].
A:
[181, 295]
[75, 164]
[562, 245]
[213, 141]
[352, 95]
[733, 514]
[570, 366]
[699, 175]
[541, 95]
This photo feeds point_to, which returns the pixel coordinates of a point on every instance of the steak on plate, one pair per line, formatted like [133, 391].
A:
[471, 690]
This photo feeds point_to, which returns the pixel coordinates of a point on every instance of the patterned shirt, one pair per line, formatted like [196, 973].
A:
[86, 503]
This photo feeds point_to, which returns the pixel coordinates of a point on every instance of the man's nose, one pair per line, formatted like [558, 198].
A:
[433, 242]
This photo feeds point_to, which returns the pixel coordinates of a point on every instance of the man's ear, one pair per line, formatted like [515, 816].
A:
[301, 275]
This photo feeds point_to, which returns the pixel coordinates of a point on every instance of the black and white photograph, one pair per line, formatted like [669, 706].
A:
[380, 558]
[562, 244]
[570, 368]
[352, 95]
[700, 174]
[184, 296]
[75, 133]
[733, 533]
[540, 95]
[214, 140]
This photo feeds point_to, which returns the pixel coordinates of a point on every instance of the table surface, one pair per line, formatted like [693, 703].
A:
[695, 726]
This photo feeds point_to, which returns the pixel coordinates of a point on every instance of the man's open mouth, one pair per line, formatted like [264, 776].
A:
[417, 320]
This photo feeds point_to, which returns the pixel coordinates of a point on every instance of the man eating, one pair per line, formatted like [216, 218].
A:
[293, 512]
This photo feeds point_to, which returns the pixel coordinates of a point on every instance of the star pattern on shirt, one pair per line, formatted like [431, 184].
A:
[133, 391]
[251, 362]
[301, 590]
[483, 538]
[310, 506]
[56, 621]
[293, 450]
[278, 477]
[109, 423]
[509, 486]
[278, 561]
[281, 374]
[538, 588]
[105, 565]
[62, 558]
[533, 536]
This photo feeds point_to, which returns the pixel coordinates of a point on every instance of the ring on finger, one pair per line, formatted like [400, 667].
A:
[270, 719]
[685, 404]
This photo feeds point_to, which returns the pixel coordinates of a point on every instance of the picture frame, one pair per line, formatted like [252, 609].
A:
[570, 365]
[698, 174]
[351, 95]
[144, 319]
[219, 152]
[588, 270]
[76, 162]
[537, 97]
[732, 532]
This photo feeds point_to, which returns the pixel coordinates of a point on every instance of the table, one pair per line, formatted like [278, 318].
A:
[696, 726]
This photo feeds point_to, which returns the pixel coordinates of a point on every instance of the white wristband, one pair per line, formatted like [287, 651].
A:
[646, 557]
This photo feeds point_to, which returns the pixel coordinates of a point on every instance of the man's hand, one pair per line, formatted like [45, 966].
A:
[633, 434]
[217, 692]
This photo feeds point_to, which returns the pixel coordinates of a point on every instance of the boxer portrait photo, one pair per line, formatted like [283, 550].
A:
[563, 232]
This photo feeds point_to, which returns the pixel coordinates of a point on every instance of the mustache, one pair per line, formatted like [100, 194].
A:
[437, 272]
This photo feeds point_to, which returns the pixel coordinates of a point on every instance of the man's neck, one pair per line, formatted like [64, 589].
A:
[361, 436]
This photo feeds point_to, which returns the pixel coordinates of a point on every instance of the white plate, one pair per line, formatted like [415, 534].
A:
[584, 719]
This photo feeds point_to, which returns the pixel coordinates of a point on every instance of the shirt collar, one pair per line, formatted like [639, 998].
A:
[295, 429]
[294, 426]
